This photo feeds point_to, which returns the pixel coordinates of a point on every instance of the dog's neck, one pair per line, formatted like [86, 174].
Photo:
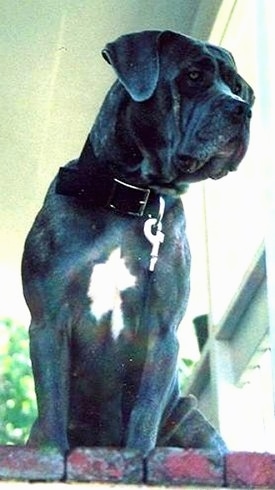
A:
[95, 184]
[108, 171]
[111, 135]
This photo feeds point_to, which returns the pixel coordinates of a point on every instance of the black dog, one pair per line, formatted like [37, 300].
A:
[106, 264]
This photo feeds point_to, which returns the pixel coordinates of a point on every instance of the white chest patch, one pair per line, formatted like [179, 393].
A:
[107, 282]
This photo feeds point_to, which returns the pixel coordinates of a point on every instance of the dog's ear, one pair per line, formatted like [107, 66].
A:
[135, 59]
[173, 49]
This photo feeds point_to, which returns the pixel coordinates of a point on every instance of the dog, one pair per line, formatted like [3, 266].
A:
[106, 264]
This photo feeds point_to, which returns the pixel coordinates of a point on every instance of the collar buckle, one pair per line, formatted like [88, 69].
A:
[128, 199]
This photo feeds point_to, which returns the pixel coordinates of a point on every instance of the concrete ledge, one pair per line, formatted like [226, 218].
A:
[164, 466]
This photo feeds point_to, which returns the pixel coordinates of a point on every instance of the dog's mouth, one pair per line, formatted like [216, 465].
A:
[225, 161]
[194, 170]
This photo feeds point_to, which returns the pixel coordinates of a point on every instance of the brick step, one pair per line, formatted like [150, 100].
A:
[164, 466]
[8, 485]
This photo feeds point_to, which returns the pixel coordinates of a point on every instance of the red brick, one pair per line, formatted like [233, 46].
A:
[105, 465]
[179, 466]
[25, 463]
[245, 469]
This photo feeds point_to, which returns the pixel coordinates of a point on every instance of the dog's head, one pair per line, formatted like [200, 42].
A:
[188, 109]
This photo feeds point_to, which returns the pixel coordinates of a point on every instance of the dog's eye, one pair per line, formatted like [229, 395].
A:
[194, 75]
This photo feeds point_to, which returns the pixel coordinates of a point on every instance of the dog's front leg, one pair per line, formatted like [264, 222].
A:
[50, 362]
[157, 381]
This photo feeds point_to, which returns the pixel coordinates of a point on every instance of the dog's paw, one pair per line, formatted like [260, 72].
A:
[39, 439]
[142, 431]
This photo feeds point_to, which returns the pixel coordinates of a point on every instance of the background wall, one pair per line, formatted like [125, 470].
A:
[239, 225]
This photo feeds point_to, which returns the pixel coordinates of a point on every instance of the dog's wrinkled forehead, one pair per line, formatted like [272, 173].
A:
[139, 58]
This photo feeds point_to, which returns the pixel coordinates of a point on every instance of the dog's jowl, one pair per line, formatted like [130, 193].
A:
[106, 263]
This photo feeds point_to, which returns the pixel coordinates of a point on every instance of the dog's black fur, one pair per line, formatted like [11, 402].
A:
[106, 371]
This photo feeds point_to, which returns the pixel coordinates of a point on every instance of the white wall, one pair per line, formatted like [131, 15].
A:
[239, 220]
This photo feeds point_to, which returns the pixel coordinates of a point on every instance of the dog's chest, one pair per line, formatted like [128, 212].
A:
[108, 280]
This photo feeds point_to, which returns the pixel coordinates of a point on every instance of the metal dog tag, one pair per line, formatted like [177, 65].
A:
[152, 231]
[155, 239]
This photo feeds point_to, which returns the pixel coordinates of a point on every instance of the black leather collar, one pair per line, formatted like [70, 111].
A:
[100, 188]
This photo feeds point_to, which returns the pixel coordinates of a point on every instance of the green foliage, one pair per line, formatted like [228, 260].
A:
[17, 398]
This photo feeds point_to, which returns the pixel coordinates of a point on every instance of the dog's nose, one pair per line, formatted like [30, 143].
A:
[239, 110]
